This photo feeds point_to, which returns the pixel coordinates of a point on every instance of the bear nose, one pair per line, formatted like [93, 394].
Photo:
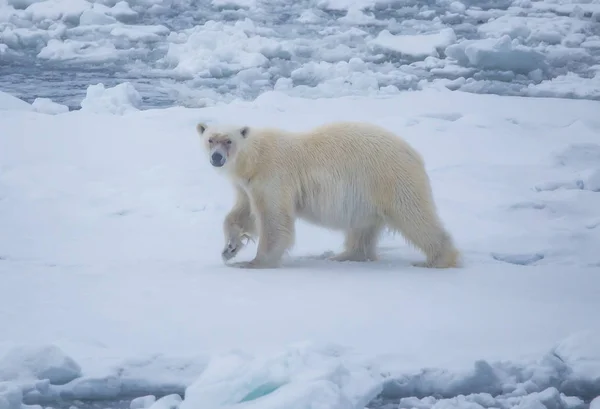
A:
[217, 159]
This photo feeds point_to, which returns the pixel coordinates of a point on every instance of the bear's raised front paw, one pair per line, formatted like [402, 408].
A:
[230, 251]
[234, 245]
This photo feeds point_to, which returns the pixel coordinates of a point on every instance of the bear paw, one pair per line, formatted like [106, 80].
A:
[255, 264]
[451, 263]
[349, 256]
[233, 246]
[230, 251]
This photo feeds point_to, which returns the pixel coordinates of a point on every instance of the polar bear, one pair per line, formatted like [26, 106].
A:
[353, 177]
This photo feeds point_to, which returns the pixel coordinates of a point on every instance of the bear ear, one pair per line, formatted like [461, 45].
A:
[244, 131]
[201, 127]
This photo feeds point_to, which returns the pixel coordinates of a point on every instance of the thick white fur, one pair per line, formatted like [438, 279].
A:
[354, 177]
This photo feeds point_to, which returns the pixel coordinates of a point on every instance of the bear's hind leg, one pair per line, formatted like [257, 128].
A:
[428, 235]
[361, 244]
[447, 257]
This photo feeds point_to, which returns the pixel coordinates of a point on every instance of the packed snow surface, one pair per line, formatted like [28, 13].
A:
[197, 53]
[112, 288]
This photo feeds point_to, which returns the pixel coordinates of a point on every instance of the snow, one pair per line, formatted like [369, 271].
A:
[96, 16]
[117, 100]
[69, 50]
[49, 362]
[47, 106]
[143, 402]
[416, 45]
[502, 54]
[569, 85]
[112, 287]
[11, 103]
[209, 50]
[65, 10]
[122, 11]
[299, 377]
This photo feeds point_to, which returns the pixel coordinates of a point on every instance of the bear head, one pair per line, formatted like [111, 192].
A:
[222, 143]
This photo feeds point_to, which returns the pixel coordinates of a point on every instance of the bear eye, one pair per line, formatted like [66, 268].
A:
[210, 140]
[228, 141]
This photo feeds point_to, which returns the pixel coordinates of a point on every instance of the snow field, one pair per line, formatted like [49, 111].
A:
[112, 287]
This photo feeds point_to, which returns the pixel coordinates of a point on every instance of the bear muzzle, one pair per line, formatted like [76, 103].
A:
[217, 159]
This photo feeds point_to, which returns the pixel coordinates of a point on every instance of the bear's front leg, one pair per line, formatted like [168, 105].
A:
[234, 242]
[238, 225]
[276, 230]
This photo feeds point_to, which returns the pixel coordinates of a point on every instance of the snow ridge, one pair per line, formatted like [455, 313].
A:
[304, 375]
